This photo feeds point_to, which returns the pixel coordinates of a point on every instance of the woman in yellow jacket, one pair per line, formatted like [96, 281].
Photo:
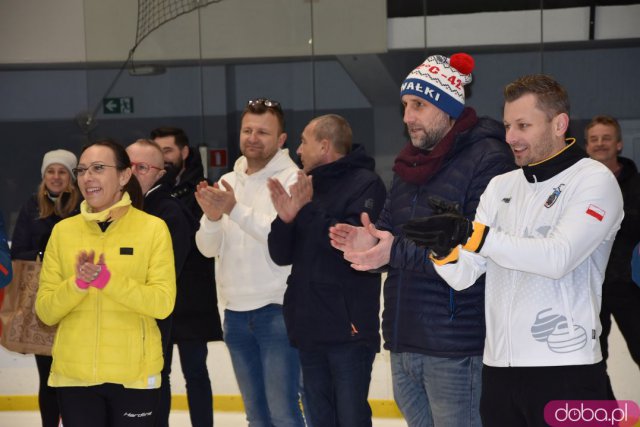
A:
[107, 274]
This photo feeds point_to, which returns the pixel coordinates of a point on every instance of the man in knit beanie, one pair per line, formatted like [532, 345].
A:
[435, 334]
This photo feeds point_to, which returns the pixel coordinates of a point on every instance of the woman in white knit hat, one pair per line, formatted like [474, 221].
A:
[57, 197]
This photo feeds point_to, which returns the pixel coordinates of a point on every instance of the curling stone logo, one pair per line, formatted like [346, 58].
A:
[554, 330]
[553, 196]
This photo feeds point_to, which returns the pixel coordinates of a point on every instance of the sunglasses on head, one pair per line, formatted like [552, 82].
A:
[269, 103]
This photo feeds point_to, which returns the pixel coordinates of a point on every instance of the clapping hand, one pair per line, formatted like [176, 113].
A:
[214, 201]
[288, 205]
[89, 273]
[366, 247]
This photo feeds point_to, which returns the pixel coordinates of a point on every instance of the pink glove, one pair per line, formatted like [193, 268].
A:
[81, 284]
[102, 278]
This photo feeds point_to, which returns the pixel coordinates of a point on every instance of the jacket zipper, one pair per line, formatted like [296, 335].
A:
[400, 279]
[452, 304]
[98, 318]
[514, 282]
[143, 338]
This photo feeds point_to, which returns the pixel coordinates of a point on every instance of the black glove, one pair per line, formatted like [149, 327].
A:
[440, 233]
[442, 206]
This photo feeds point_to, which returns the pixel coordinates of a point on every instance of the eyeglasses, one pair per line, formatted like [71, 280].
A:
[269, 103]
[144, 168]
[95, 168]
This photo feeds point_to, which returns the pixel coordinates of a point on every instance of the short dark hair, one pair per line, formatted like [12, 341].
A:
[261, 106]
[179, 135]
[122, 163]
[607, 121]
[551, 97]
[336, 129]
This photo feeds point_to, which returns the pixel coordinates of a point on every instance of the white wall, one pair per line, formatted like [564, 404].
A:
[72, 31]
[68, 31]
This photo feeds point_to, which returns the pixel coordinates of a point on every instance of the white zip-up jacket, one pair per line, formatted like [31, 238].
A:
[545, 257]
[246, 276]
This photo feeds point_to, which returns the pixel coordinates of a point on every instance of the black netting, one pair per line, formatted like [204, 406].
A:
[154, 13]
[151, 15]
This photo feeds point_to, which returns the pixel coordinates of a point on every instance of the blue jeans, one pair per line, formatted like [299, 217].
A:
[336, 385]
[267, 368]
[437, 391]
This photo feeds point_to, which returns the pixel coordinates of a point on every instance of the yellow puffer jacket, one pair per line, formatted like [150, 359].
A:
[108, 335]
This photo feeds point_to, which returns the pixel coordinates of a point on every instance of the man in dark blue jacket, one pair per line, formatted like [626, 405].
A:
[435, 334]
[331, 311]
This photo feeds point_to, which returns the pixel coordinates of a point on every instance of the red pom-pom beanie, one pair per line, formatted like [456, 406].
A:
[440, 80]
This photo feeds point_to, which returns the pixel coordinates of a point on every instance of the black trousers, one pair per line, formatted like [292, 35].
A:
[47, 396]
[107, 405]
[624, 306]
[517, 396]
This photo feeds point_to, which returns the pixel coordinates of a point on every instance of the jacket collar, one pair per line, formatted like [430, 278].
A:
[567, 157]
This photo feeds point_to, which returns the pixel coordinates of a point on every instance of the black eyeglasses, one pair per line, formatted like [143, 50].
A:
[95, 168]
[269, 103]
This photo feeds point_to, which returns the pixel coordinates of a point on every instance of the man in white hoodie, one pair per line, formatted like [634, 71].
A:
[234, 228]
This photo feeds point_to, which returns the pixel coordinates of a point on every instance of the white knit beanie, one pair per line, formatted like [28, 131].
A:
[62, 157]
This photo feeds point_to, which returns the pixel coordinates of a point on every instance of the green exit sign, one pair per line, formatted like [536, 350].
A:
[117, 105]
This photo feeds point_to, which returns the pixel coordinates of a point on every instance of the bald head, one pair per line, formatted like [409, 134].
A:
[336, 130]
[324, 140]
[147, 161]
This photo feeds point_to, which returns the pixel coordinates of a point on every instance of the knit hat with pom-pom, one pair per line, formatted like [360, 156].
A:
[440, 80]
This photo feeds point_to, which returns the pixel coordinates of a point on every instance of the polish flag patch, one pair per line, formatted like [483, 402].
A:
[595, 212]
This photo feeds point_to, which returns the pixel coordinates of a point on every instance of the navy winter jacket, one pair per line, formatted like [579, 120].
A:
[195, 317]
[422, 314]
[31, 233]
[326, 301]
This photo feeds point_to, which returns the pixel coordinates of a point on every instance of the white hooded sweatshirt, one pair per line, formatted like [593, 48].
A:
[246, 277]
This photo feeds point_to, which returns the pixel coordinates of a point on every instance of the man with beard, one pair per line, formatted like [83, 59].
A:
[435, 334]
[620, 296]
[196, 319]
